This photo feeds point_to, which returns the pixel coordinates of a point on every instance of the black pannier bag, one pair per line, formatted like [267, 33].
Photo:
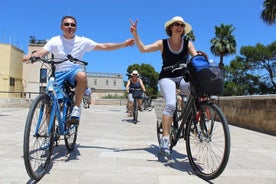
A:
[205, 79]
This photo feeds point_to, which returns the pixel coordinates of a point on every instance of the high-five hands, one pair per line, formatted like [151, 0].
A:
[133, 26]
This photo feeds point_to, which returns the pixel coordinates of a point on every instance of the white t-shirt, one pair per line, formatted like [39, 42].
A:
[76, 47]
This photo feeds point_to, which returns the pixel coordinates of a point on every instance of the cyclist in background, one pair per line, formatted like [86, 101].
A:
[137, 83]
[70, 44]
[174, 49]
[87, 95]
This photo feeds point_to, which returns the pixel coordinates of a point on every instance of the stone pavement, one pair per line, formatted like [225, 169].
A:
[112, 150]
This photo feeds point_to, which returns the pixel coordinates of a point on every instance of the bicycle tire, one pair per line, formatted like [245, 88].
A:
[208, 141]
[135, 111]
[37, 147]
[151, 105]
[72, 131]
[159, 131]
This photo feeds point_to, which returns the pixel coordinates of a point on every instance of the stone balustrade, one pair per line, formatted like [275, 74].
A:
[252, 112]
[257, 112]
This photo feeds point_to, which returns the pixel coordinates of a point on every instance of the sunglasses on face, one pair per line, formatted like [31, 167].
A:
[178, 24]
[69, 24]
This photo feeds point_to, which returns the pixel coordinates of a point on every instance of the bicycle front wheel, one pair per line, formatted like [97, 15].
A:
[135, 111]
[208, 141]
[38, 143]
[71, 131]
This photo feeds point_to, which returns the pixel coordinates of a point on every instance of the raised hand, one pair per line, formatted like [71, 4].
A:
[133, 26]
[129, 42]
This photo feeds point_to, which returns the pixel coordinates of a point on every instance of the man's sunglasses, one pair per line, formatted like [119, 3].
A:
[71, 24]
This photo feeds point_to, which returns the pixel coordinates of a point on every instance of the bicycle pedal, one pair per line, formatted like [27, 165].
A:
[165, 155]
[45, 146]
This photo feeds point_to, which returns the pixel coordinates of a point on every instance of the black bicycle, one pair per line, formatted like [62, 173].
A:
[205, 130]
[46, 122]
[148, 103]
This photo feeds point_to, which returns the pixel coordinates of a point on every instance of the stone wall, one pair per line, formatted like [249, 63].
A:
[15, 103]
[252, 112]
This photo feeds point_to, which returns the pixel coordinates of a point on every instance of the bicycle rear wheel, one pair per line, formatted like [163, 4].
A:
[208, 141]
[71, 131]
[38, 144]
[159, 131]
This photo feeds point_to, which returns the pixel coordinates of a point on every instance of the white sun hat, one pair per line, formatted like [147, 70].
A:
[135, 72]
[187, 27]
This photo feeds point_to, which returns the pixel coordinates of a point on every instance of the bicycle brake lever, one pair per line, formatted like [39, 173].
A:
[34, 59]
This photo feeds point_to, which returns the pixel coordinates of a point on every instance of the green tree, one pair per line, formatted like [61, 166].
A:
[268, 14]
[224, 43]
[262, 60]
[239, 80]
[148, 75]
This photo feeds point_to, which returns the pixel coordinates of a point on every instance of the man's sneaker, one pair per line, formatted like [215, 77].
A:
[75, 115]
[45, 144]
[165, 147]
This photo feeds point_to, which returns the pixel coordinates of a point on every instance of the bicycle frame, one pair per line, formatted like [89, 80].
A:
[56, 112]
[189, 106]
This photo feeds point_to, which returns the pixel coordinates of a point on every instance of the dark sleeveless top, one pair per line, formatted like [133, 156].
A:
[135, 85]
[170, 58]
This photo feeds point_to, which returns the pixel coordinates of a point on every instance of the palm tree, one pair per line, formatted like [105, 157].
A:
[224, 43]
[269, 12]
[191, 36]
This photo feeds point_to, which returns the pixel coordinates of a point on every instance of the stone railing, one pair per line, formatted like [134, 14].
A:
[252, 112]
[15, 103]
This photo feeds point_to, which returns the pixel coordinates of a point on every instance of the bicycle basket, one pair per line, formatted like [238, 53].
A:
[205, 79]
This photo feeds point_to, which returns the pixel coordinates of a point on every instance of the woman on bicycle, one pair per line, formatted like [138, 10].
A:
[70, 44]
[173, 50]
[137, 83]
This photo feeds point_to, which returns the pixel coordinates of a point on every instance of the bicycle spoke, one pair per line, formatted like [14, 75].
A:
[208, 149]
[37, 140]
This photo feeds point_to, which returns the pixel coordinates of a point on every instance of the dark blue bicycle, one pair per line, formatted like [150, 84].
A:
[46, 122]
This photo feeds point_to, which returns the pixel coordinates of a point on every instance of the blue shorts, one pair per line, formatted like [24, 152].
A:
[68, 75]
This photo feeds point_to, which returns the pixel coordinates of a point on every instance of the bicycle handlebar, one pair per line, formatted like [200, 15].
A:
[135, 89]
[177, 66]
[58, 60]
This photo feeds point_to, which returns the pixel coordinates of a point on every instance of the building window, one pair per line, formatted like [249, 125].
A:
[12, 81]
[114, 83]
[106, 82]
[95, 82]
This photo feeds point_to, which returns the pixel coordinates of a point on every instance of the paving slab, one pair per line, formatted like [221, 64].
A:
[113, 150]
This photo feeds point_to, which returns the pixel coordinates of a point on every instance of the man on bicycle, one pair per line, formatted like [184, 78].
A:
[136, 83]
[70, 44]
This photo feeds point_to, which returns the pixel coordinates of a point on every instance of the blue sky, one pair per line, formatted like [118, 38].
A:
[108, 21]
